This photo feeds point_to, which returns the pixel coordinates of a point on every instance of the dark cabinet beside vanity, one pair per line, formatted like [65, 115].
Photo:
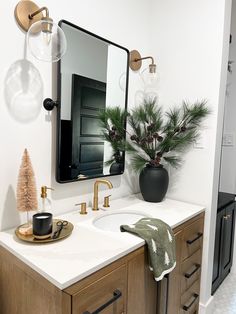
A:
[224, 239]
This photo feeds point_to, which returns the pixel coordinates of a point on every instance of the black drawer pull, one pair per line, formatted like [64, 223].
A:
[187, 307]
[116, 295]
[189, 275]
[199, 235]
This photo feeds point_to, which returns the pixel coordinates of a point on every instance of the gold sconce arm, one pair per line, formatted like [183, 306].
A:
[135, 61]
[39, 11]
[144, 58]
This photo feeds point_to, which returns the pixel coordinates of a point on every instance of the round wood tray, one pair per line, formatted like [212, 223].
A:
[65, 232]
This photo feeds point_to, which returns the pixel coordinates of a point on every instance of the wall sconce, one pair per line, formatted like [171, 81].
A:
[45, 39]
[135, 62]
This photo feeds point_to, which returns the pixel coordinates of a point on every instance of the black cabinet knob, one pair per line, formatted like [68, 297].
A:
[49, 104]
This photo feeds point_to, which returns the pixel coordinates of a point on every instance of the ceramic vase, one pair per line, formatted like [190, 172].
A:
[153, 182]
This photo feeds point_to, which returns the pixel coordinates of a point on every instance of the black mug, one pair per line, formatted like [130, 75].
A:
[42, 225]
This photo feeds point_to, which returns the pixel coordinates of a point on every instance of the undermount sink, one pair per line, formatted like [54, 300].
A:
[113, 221]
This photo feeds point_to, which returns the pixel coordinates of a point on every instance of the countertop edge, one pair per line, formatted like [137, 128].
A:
[91, 270]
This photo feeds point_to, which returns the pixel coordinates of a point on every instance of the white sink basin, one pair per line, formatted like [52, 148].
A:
[113, 221]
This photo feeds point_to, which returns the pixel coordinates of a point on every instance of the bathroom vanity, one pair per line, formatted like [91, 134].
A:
[98, 269]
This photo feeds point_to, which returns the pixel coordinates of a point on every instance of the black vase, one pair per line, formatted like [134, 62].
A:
[153, 182]
[117, 167]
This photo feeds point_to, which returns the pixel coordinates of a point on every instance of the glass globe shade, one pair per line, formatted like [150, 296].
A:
[46, 45]
[149, 79]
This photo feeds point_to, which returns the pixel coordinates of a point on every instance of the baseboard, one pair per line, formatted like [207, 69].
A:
[206, 308]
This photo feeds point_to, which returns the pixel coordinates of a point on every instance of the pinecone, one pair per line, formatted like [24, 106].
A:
[149, 139]
[112, 133]
[143, 141]
[133, 138]
[155, 135]
[150, 126]
[183, 128]
[113, 128]
[117, 137]
[160, 138]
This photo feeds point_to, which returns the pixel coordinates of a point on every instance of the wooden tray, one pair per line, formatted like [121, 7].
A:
[65, 232]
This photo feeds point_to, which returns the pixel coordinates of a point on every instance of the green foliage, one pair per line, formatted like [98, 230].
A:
[155, 136]
[112, 121]
[158, 136]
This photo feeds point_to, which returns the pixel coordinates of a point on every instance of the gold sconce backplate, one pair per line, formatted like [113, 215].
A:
[22, 11]
[133, 63]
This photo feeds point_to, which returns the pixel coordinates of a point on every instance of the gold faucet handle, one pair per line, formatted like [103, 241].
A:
[106, 201]
[83, 208]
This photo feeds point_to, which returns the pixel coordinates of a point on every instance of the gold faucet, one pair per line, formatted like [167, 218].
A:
[95, 195]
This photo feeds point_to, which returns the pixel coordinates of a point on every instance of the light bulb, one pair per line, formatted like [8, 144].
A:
[46, 40]
[47, 37]
[150, 79]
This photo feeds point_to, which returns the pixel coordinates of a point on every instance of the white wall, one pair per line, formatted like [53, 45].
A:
[186, 38]
[111, 20]
[191, 42]
[228, 162]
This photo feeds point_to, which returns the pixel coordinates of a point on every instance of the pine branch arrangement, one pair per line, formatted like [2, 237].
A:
[112, 121]
[156, 136]
[26, 186]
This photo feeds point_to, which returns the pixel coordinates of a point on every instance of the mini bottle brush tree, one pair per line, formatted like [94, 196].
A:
[26, 187]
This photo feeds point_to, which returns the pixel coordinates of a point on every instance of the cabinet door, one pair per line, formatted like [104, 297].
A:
[218, 250]
[174, 284]
[106, 295]
[142, 288]
[228, 240]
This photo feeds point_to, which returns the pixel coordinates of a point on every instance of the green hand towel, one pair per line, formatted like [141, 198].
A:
[160, 240]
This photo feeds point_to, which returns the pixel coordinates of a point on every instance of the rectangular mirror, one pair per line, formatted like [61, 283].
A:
[92, 75]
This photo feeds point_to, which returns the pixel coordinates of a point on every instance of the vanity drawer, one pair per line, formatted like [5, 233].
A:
[191, 270]
[192, 238]
[109, 289]
[190, 299]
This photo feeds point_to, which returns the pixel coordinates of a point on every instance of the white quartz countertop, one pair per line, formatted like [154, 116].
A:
[88, 249]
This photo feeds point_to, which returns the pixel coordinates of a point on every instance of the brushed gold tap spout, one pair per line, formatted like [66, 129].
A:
[95, 195]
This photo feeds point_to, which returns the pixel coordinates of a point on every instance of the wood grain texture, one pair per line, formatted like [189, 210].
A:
[100, 291]
[102, 272]
[174, 291]
[190, 232]
[23, 291]
[188, 266]
[180, 290]
[187, 298]
[142, 288]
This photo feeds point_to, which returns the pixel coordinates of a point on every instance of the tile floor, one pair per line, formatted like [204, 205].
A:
[225, 296]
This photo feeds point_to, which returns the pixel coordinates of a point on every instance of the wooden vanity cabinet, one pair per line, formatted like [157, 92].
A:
[184, 281]
[130, 276]
[125, 286]
[127, 282]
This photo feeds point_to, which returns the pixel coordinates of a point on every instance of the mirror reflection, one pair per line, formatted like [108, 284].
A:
[93, 75]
